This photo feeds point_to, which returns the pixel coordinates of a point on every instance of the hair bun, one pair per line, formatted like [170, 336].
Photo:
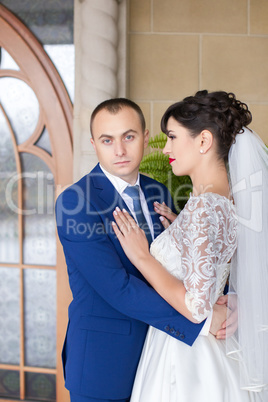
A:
[220, 112]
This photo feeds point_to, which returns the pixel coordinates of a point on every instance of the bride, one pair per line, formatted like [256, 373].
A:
[220, 233]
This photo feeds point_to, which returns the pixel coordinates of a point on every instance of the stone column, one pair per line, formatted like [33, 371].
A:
[100, 68]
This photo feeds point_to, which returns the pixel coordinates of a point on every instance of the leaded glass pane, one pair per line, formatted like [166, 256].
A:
[40, 317]
[21, 107]
[9, 384]
[6, 61]
[51, 21]
[9, 315]
[9, 245]
[44, 142]
[63, 59]
[39, 243]
[40, 387]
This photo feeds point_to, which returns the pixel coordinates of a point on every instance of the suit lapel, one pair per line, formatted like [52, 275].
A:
[106, 199]
[106, 192]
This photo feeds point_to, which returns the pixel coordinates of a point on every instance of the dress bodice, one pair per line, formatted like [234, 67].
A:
[197, 248]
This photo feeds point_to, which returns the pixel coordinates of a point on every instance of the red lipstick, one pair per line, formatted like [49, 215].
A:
[171, 160]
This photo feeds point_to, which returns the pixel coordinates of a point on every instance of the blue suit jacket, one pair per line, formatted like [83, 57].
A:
[112, 303]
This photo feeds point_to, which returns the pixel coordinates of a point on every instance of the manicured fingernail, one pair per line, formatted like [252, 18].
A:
[156, 202]
[115, 213]
[124, 210]
[113, 223]
[117, 209]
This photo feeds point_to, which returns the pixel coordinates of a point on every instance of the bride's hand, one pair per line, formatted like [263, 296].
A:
[132, 238]
[167, 216]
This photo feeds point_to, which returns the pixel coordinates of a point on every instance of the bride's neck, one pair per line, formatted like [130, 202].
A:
[211, 180]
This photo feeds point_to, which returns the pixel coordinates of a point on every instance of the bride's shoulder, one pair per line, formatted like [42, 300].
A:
[207, 199]
[208, 203]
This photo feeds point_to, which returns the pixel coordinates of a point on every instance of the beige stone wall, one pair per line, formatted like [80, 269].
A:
[177, 47]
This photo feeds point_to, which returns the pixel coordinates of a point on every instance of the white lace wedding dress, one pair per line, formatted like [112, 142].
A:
[196, 248]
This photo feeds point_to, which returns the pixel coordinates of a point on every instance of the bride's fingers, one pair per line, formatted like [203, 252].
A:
[132, 222]
[124, 220]
[118, 233]
[121, 221]
[164, 210]
[165, 222]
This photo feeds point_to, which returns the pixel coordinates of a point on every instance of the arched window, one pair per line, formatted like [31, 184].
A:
[35, 163]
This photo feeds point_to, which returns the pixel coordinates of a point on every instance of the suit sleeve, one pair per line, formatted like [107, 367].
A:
[90, 253]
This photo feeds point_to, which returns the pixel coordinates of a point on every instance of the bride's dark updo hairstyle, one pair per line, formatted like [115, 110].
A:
[219, 112]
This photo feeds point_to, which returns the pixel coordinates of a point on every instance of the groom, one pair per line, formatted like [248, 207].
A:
[112, 303]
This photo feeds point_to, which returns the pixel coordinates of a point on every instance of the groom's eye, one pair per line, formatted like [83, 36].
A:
[129, 137]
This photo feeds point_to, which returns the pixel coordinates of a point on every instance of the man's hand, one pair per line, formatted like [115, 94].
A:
[229, 325]
[219, 316]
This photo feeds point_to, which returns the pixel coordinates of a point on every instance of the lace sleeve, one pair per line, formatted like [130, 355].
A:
[204, 243]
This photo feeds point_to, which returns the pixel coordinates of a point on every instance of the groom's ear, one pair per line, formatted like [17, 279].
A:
[93, 143]
[146, 138]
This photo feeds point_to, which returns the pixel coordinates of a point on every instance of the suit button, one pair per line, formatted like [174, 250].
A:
[177, 333]
[172, 331]
[182, 336]
[166, 328]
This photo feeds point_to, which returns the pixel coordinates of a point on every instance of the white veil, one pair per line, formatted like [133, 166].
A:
[248, 169]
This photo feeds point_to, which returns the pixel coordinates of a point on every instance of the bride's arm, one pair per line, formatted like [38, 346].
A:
[135, 245]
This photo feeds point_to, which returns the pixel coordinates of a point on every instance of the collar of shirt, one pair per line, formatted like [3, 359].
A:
[120, 185]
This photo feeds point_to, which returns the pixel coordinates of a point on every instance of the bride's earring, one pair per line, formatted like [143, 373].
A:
[201, 151]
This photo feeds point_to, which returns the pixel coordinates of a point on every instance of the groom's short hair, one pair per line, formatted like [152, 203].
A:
[113, 106]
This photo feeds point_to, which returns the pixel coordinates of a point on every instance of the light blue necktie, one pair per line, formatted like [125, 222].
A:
[133, 192]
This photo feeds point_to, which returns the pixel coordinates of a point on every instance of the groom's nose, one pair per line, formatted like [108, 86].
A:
[119, 148]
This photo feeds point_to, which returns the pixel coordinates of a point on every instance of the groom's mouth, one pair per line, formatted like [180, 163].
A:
[171, 160]
[122, 163]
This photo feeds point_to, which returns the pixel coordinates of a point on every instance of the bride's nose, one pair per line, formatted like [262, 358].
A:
[166, 149]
